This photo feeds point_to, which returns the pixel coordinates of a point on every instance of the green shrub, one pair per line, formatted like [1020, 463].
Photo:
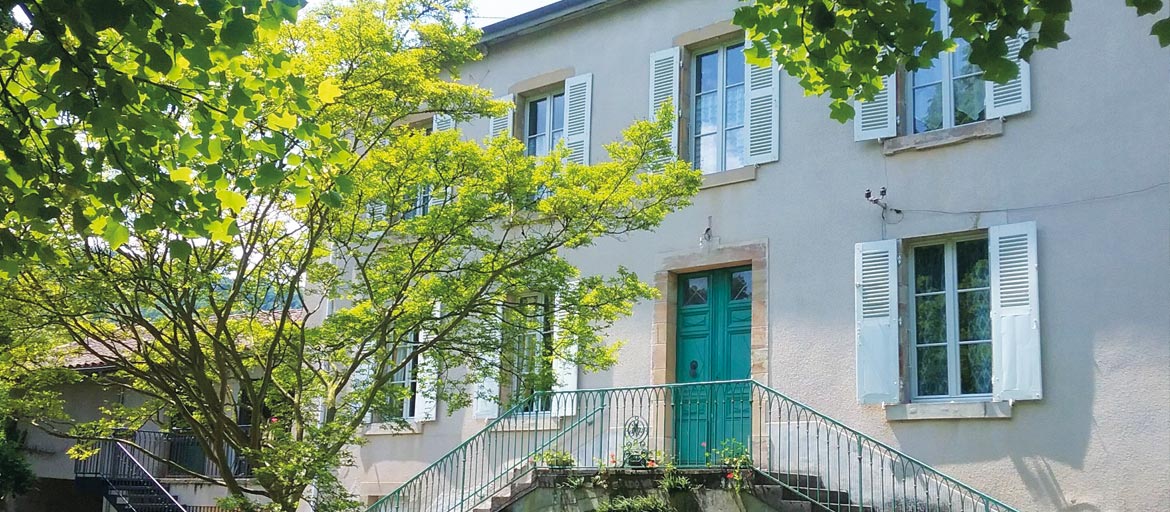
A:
[635, 504]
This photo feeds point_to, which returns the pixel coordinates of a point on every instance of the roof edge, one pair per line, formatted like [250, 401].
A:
[540, 18]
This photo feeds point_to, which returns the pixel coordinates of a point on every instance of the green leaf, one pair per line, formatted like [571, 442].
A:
[179, 249]
[1145, 7]
[328, 91]
[116, 234]
[268, 175]
[238, 30]
[285, 120]
[344, 184]
[841, 110]
[1161, 30]
[231, 199]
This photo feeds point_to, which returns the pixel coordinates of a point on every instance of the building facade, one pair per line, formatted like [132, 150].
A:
[972, 273]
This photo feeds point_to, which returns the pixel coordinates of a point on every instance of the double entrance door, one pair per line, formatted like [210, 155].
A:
[713, 343]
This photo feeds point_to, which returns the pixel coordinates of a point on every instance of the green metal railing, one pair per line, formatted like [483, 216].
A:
[711, 424]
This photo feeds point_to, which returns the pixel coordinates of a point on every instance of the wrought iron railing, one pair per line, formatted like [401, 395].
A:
[714, 424]
[122, 466]
[181, 449]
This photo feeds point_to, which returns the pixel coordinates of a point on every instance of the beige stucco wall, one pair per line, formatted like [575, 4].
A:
[1099, 128]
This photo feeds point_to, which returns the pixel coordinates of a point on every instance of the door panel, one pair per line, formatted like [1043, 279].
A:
[713, 344]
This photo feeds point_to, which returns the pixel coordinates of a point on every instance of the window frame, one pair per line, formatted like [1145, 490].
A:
[422, 203]
[549, 122]
[410, 372]
[516, 383]
[692, 92]
[946, 81]
[951, 292]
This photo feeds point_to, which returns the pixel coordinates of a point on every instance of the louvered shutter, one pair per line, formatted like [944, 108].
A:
[878, 119]
[487, 392]
[1014, 97]
[664, 67]
[876, 281]
[442, 122]
[578, 116]
[502, 125]
[428, 375]
[564, 368]
[1015, 319]
[763, 113]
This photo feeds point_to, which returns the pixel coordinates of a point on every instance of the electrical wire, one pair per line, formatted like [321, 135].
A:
[1040, 206]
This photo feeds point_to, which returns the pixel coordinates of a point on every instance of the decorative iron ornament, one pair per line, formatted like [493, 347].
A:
[637, 429]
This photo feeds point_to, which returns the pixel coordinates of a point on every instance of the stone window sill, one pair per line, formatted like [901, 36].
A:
[719, 179]
[394, 429]
[940, 138]
[948, 411]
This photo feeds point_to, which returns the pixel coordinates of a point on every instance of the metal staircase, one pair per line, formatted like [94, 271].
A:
[793, 452]
[127, 476]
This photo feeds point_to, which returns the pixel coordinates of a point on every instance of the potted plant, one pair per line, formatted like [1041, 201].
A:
[555, 459]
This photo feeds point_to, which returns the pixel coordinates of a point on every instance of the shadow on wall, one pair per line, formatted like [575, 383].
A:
[1039, 476]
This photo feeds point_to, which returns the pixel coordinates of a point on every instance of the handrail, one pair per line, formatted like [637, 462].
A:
[158, 487]
[559, 435]
[737, 422]
[885, 446]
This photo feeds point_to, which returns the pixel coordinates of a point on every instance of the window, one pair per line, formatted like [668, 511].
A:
[404, 384]
[544, 124]
[718, 130]
[950, 304]
[531, 370]
[418, 203]
[971, 328]
[951, 92]
[731, 106]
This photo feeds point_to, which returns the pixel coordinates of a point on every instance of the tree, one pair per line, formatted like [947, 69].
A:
[208, 326]
[845, 47]
[105, 105]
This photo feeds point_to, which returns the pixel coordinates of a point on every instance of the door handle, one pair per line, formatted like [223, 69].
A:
[694, 368]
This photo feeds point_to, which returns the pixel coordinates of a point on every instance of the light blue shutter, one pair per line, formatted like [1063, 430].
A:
[426, 403]
[878, 119]
[763, 112]
[502, 125]
[578, 117]
[876, 282]
[442, 122]
[664, 66]
[564, 368]
[1014, 97]
[1015, 308]
[487, 392]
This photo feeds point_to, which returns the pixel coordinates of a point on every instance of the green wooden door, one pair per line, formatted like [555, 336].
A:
[713, 344]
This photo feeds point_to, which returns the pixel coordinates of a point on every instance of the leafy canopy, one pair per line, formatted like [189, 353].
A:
[844, 47]
[312, 208]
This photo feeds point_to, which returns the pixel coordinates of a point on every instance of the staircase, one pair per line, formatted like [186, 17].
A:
[796, 456]
[123, 479]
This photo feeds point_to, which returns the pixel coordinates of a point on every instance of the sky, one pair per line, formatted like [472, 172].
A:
[491, 11]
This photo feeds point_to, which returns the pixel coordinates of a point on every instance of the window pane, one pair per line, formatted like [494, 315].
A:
[538, 145]
[932, 371]
[706, 72]
[969, 93]
[558, 112]
[972, 256]
[734, 65]
[975, 315]
[961, 59]
[928, 108]
[930, 319]
[928, 269]
[733, 105]
[696, 292]
[741, 285]
[537, 116]
[733, 146]
[706, 114]
[928, 76]
[706, 153]
[556, 138]
[975, 368]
